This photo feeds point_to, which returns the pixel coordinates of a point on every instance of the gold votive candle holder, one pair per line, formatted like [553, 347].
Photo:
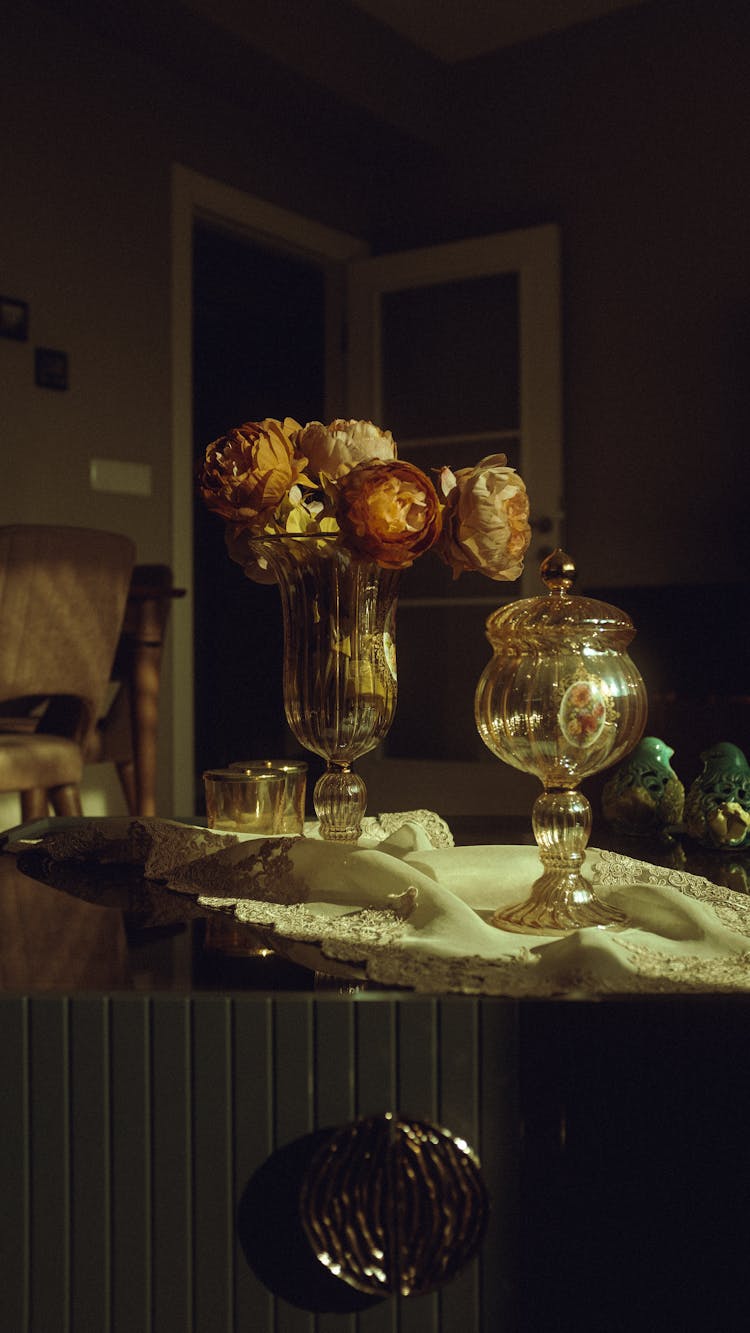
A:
[245, 802]
[294, 774]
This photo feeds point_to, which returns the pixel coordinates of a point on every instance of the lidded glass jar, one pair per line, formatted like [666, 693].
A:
[561, 699]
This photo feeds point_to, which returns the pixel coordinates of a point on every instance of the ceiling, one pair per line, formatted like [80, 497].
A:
[454, 30]
[391, 60]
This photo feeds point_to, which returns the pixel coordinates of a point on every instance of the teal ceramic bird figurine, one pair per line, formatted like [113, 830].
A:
[644, 795]
[717, 808]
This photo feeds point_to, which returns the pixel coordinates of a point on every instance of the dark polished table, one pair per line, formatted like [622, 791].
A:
[155, 1075]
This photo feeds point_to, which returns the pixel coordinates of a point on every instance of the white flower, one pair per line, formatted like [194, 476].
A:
[485, 519]
[334, 450]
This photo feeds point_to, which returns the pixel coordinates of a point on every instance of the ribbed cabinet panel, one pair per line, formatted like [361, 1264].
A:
[293, 1078]
[253, 1107]
[213, 1148]
[130, 1129]
[172, 1163]
[15, 1152]
[49, 1159]
[376, 1072]
[132, 1126]
[418, 1069]
[334, 1099]
[459, 1112]
[90, 1165]
[499, 1147]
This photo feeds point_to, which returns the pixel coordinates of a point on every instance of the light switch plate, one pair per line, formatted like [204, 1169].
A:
[109, 474]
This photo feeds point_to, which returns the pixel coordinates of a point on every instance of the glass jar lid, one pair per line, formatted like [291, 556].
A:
[558, 618]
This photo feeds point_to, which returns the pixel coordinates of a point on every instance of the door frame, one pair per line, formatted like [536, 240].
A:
[200, 197]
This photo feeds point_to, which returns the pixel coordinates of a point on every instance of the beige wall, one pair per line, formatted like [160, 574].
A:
[85, 240]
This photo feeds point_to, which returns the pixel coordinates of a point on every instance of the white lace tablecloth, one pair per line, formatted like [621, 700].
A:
[405, 907]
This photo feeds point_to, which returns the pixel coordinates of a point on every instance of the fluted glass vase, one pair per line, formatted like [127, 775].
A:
[339, 674]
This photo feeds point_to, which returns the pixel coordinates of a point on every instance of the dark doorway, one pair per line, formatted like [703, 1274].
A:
[259, 351]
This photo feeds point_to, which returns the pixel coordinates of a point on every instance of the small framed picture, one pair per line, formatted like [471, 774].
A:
[50, 368]
[14, 319]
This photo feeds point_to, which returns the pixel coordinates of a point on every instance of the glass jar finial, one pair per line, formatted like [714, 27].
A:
[558, 571]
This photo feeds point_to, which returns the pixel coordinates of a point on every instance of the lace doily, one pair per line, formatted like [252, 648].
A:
[380, 945]
[376, 828]
[158, 845]
[436, 828]
[733, 909]
[409, 909]
[261, 871]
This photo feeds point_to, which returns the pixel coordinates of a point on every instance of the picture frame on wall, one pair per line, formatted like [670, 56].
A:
[14, 319]
[50, 368]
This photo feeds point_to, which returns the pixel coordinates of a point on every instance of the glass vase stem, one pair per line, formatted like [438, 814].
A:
[340, 799]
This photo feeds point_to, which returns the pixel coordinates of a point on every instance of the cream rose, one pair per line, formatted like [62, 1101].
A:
[485, 519]
[335, 449]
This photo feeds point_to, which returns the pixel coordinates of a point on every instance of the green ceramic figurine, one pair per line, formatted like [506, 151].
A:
[717, 808]
[644, 795]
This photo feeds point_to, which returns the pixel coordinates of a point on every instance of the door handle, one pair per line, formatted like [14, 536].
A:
[394, 1205]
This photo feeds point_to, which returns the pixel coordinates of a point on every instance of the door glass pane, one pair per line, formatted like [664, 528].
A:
[450, 357]
[441, 653]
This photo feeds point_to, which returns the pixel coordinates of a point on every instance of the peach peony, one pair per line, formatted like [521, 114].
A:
[388, 512]
[247, 473]
[334, 450]
[485, 520]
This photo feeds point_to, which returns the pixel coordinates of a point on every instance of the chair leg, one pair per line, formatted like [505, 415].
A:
[126, 774]
[34, 804]
[66, 800]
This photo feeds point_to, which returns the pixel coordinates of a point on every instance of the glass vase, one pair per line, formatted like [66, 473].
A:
[339, 671]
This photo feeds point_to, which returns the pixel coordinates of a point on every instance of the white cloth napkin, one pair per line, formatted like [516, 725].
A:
[398, 910]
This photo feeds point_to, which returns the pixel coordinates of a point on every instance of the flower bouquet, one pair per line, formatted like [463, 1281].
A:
[332, 515]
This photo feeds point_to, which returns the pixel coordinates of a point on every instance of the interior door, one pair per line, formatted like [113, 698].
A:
[456, 350]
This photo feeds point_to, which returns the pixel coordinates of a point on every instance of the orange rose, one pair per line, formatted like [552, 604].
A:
[388, 512]
[247, 473]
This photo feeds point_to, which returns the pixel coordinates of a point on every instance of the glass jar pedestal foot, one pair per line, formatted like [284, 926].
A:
[562, 899]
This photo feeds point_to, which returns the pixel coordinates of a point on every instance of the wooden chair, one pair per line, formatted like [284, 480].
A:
[62, 598]
[126, 734]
